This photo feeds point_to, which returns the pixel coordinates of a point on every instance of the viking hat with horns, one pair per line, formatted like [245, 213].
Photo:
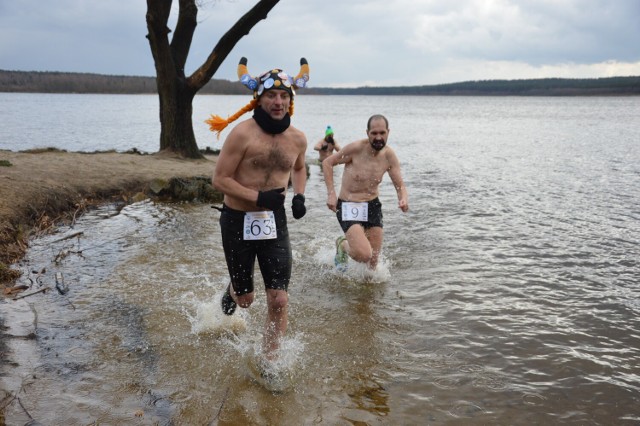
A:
[273, 79]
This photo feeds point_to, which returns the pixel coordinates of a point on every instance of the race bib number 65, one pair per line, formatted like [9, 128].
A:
[358, 212]
[259, 226]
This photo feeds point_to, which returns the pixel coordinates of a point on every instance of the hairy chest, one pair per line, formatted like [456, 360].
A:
[273, 154]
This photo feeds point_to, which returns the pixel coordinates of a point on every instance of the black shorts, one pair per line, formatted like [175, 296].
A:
[274, 256]
[374, 216]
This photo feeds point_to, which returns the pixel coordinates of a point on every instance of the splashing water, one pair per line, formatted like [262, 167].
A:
[210, 319]
[277, 374]
[355, 272]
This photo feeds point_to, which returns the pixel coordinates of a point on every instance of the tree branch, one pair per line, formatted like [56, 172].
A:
[183, 35]
[157, 18]
[227, 42]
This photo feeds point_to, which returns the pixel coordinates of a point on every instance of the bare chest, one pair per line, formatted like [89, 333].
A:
[366, 170]
[277, 155]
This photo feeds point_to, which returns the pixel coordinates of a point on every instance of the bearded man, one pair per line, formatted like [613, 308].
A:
[358, 208]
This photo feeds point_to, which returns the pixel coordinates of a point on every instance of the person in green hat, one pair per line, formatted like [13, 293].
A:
[327, 145]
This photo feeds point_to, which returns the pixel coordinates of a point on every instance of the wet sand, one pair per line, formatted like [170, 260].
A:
[40, 188]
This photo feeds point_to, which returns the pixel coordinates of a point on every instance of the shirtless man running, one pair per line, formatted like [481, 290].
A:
[252, 171]
[358, 208]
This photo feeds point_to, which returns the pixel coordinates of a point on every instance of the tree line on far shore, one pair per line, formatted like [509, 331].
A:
[66, 82]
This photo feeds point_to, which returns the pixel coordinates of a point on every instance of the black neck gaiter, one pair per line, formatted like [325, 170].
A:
[268, 124]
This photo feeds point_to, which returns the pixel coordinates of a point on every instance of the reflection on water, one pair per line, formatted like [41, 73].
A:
[508, 294]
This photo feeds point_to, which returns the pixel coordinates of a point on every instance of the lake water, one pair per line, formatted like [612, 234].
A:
[508, 294]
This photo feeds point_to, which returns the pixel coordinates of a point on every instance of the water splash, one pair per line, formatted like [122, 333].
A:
[210, 319]
[354, 271]
[277, 374]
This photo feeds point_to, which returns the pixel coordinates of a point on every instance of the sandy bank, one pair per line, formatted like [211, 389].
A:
[37, 189]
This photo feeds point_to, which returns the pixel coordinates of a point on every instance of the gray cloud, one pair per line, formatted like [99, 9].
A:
[354, 43]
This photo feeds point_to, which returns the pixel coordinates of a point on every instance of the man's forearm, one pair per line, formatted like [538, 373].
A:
[327, 170]
[299, 180]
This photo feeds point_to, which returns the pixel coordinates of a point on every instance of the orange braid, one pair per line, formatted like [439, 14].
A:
[291, 108]
[217, 124]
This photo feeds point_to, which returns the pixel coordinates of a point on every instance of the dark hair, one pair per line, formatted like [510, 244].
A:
[377, 117]
[329, 139]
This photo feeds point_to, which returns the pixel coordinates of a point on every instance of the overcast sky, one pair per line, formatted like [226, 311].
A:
[348, 43]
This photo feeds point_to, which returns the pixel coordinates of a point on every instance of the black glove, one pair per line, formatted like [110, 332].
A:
[272, 199]
[297, 206]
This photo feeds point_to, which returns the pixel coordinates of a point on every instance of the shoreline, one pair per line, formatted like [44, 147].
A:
[42, 188]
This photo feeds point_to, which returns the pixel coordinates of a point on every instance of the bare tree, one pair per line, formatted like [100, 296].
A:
[176, 91]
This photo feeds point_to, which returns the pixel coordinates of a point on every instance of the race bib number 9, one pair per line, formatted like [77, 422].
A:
[358, 212]
[260, 226]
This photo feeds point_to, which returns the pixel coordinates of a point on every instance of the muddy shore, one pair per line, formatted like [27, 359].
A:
[40, 188]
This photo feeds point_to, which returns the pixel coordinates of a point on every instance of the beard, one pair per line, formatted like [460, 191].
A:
[378, 144]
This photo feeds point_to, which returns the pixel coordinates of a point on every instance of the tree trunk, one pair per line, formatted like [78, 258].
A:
[175, 90]
[176, 125]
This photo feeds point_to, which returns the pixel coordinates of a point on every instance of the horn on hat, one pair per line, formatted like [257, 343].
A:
[302, 78]
[244, 76]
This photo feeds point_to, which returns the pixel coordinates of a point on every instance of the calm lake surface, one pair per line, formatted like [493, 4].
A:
[508, 294]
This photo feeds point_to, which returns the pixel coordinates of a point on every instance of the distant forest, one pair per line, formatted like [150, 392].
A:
[63, 82]
[67, 82]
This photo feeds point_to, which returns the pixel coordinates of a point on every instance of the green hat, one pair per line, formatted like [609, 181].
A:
[328, 132]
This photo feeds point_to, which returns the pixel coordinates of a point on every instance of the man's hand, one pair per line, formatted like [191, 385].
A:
[404, 205]
[272, 199]
[332, 201]
[297, 206]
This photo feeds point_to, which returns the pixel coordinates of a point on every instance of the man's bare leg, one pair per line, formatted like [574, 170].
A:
[357, 245]
[276, 322]
[375, 236]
